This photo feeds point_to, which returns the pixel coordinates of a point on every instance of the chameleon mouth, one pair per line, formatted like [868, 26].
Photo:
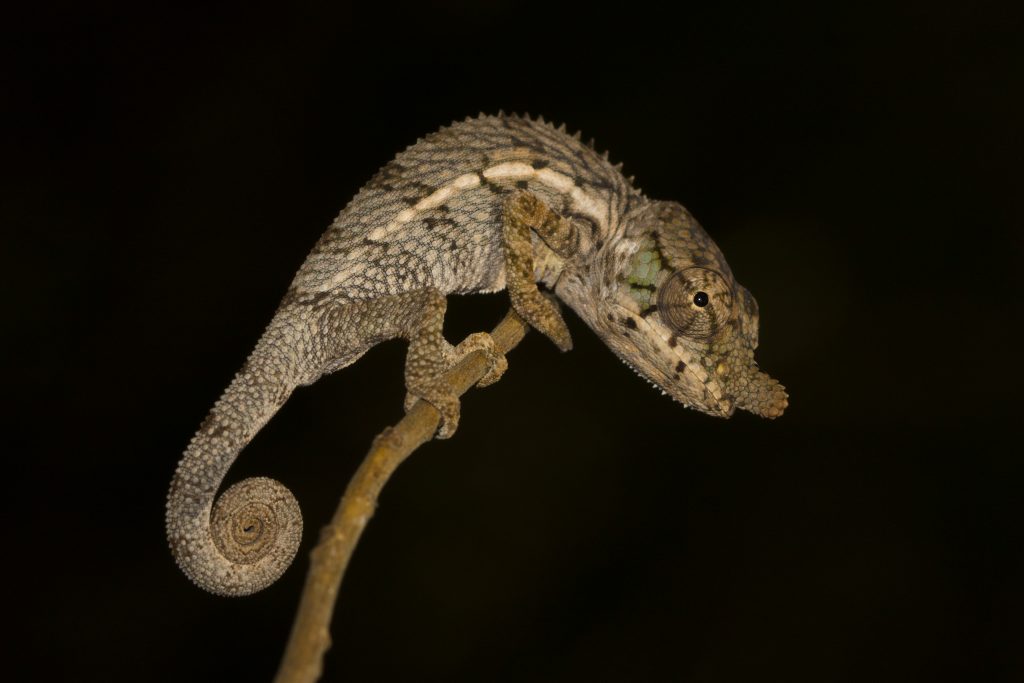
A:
[690, 386]
[716, 407]
[709, 404]
[725, 407]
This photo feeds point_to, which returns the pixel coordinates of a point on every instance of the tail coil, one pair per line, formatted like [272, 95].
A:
[245, 541]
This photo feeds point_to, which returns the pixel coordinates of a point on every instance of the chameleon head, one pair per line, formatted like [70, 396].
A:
[665, 301]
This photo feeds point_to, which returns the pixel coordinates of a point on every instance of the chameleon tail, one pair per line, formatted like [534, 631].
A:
[245, 541]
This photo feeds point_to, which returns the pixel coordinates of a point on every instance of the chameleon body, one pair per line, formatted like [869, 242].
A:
[490, 203]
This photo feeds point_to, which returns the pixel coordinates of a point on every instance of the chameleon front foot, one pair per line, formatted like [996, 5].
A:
[496, 362]
[523, 214]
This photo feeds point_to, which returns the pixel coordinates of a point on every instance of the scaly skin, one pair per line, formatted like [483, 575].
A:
[486, 204]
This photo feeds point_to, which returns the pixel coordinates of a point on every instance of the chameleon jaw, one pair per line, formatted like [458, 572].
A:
[677, 375]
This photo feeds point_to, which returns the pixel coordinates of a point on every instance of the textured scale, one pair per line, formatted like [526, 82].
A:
[456, 245]
[490, 203]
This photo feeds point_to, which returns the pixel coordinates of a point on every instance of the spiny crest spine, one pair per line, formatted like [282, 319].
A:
[561, 128]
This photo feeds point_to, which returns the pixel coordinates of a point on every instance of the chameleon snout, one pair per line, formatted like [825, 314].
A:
[760, 394]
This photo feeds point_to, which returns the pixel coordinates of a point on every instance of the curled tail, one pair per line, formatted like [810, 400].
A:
[243, 542]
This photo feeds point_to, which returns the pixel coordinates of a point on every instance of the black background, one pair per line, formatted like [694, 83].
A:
[168, 168]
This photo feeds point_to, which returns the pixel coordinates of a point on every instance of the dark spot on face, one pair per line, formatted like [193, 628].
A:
[647, 311]
[675, 376]
[630, 323]
[522, 184]
[598, 244]
[539, 164]
[611, 318]
[672, 341]
[680, 366]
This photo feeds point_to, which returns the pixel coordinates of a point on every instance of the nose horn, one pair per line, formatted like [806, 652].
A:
[763, 396]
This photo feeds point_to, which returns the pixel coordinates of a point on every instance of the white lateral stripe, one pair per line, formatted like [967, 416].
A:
[510, 170]
[436, 199]
[587, 204]
[466, 181]
[562, 183]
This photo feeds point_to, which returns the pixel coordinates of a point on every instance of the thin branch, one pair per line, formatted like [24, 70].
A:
[310, 637]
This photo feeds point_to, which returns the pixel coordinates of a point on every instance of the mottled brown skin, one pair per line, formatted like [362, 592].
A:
[489, 203]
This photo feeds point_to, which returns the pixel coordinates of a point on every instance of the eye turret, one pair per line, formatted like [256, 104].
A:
[695, 302]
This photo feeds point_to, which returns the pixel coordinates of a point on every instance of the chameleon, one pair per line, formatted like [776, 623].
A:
[489, 203]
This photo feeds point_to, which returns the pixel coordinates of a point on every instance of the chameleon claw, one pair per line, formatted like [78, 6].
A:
[435, 391]
[496, 362]
[552, 324]
[444, 400]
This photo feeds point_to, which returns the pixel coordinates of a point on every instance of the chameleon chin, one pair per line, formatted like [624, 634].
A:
[491, 203]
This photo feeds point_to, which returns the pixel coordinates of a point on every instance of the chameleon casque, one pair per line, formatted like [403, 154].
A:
[490, 203]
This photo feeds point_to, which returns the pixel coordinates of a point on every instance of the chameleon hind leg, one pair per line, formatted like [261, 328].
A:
[417, 316]
[430, 356]
[524, 213]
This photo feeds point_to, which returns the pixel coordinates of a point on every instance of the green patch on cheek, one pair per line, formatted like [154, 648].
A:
[641, 296]
[643, 273]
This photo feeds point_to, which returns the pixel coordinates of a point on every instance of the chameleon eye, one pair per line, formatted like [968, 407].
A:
[695, 302]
